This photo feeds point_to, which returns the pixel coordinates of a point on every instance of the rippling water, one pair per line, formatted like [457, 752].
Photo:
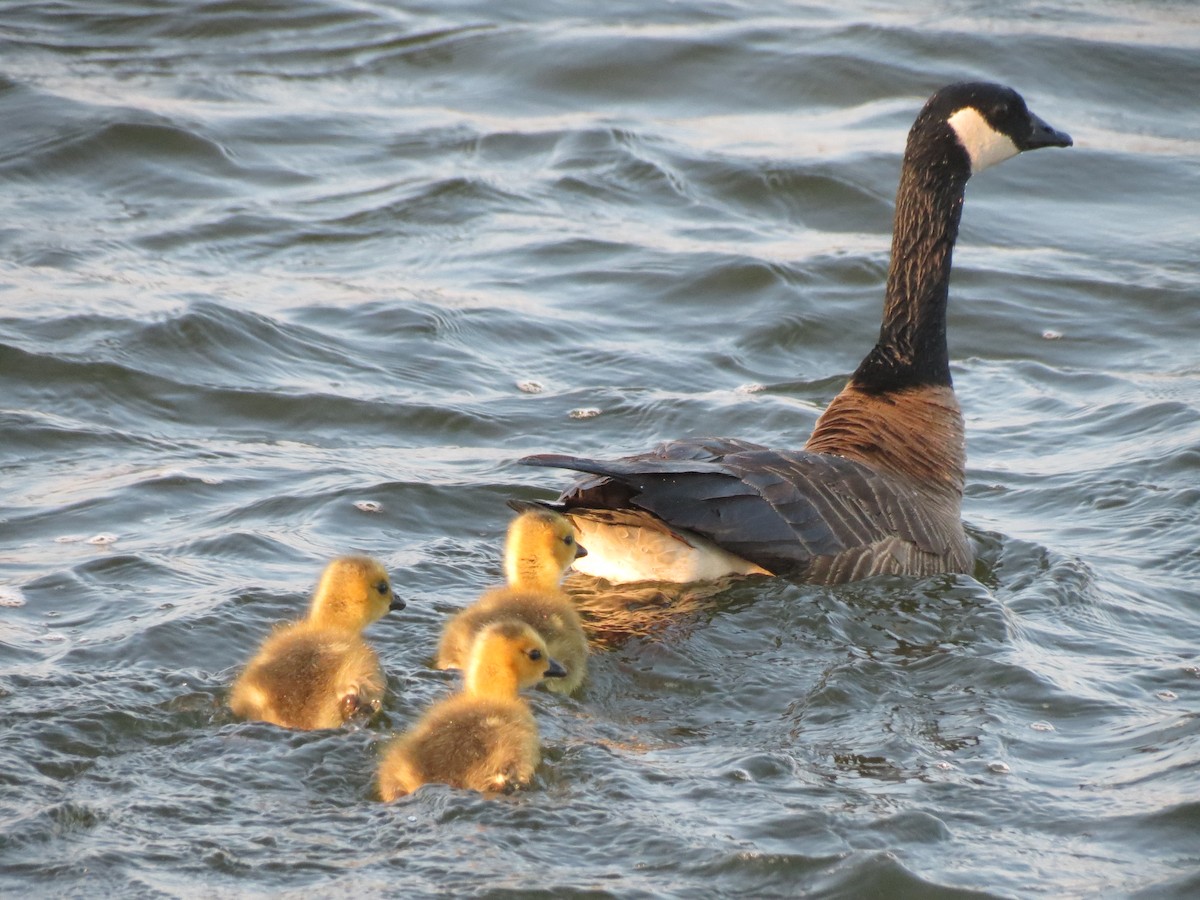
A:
[289, 278]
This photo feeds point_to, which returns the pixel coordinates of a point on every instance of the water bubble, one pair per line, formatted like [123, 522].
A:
[184, 475]
[1000, 768]
[1052, 335]
[752, 388]
[368, 506]
[1041, 726]
[103, 539]
[11, 597]
[530, 387]
[943, 765]
[584, 412]
[1167, 695]
[68, 539]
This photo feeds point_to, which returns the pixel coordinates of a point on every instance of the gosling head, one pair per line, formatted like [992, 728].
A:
[982, 122]
[541, 546]
[507, 657]
[353, 592]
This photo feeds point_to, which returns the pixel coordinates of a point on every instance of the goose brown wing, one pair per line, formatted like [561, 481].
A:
[779, 509]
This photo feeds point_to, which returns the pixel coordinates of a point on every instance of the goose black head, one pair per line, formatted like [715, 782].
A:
[989, 123]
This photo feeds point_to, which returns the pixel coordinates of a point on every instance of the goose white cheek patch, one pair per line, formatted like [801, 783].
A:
[984, 144]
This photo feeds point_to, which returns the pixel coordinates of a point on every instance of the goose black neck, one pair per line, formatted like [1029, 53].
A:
[912, 350]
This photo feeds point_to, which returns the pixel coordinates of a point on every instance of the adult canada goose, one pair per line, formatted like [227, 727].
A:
[318, 672]
[484, 738]
[878, 487]
[540, 546]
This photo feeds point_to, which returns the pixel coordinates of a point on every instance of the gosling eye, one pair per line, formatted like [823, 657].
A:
[384, 588]
[535, 654]
[569, 540]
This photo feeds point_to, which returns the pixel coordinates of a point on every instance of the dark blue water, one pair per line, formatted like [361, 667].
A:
[283, 280]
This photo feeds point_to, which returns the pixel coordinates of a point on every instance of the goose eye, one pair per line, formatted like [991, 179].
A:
[384, 588]
[535, 654]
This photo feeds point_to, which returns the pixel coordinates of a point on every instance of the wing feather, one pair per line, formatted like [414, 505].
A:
[779, 509]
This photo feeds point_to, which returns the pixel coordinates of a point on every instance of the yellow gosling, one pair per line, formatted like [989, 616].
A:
[540, 547]
[318, 672]
[484, 738]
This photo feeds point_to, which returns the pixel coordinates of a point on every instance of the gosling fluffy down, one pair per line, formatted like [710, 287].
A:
[540, 546]
[318, 672]
[484, 738]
